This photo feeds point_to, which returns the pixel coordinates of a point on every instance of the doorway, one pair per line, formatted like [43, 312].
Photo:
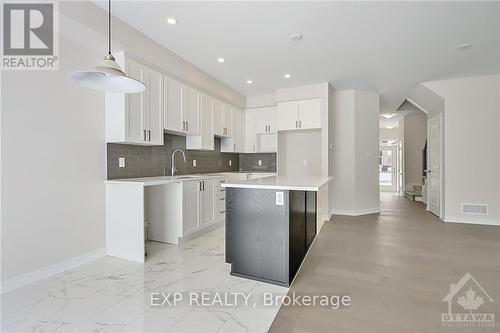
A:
[389, 168]
[433, 171]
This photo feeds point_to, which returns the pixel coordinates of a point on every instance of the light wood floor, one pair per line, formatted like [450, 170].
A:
[397, 267]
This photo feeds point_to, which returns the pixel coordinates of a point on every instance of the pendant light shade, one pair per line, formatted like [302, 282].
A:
[108, 75]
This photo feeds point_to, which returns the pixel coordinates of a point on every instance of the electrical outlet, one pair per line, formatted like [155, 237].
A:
[259, 162]
[279, 199]
[121, 162]
[219, 163]
[230, 162]
[194, 163]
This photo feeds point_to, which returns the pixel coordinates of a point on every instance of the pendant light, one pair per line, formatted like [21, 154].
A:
[108, 75]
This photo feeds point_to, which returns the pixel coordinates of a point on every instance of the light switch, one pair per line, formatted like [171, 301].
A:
[121, 162]
[279, 199]
[259, 162]
[194, 163]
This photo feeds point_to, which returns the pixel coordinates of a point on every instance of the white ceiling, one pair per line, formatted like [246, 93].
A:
[379, 46]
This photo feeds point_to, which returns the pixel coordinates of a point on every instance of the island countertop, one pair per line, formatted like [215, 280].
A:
[281, 183]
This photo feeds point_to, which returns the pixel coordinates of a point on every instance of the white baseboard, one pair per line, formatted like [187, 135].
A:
[472, 220]
[43, 273]
[355, 212]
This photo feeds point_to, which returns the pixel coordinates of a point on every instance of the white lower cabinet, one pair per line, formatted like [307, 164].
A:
[197, 205]
[190, 207]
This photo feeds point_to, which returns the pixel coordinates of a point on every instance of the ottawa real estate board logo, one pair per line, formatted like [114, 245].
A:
[30, 36]
[467, 305]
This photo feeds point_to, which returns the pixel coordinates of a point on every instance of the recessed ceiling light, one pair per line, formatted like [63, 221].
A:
[171, 20]
[464, 46]
[296, 37]
[249, 81]
[287, 76]
[388, 115]
[221, 60]
[389, 127]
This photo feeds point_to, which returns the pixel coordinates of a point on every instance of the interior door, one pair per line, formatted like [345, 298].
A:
[434, 166]
[388, 168]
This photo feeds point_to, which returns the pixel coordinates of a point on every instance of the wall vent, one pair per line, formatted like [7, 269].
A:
[478, 209]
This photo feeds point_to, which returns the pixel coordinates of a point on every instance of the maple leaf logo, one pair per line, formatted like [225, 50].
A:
[470, 301]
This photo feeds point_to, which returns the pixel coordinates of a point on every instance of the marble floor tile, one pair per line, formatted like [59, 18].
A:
[114, 295]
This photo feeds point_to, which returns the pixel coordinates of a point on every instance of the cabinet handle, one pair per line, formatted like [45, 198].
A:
[296, 124]
[200, 187]
[253, 148]
[187, 126]
[300, 123]
[203, 185]
[143, 135]
[149, 135]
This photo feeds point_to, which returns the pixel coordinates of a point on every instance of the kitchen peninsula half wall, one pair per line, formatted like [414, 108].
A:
[151, 161]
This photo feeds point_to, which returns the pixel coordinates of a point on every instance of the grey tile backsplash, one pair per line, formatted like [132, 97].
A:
[146, 161]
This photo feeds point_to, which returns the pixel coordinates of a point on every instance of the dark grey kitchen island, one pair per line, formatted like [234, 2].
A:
[271, 223]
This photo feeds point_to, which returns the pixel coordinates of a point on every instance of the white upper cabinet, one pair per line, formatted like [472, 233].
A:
[181, 107]
[154, 95]
[310, 113]
[191, 109]
[260, 130]
[236, 142]
[302, 114]
[227, 123]
[217, 116]
[172, 105]
[266, 120]
[136, 118]
[250, 131]
[204, 141]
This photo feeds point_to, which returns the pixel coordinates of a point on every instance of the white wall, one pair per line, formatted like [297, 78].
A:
[355, 189]
[415, 136]
[53, 148]
[299, 153]
[52, 166]
[471, 139]
[389, 134]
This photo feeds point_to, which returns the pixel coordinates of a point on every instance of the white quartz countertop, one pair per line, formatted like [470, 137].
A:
[281, 183]
[160, 180]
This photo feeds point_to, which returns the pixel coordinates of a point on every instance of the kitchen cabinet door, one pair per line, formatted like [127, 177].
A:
[155, 107]
[190, 202]
[217, 116]
[191, 109]
[250, 132]
[172, 104]
[207, 202]
[241, 132]
[265, 120]
[134, 130]
[310, 113]
[204, 141]
[227, 121]
[287, 115]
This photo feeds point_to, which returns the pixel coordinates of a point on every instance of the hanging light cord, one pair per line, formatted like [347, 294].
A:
[109, 26]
